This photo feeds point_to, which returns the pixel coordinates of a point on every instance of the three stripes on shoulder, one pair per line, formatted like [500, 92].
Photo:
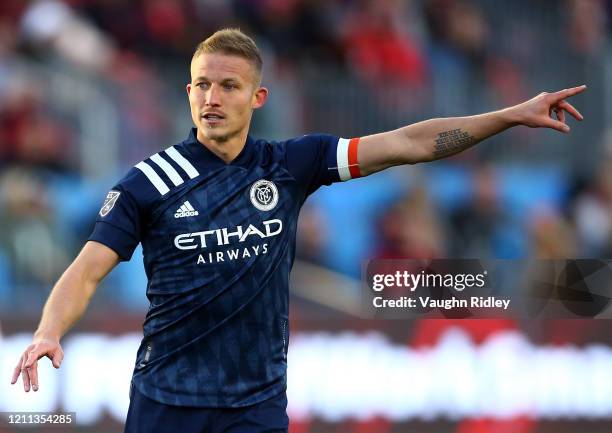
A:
[165, 166]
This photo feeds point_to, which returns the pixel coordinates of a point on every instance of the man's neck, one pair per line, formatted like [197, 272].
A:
[227, 150]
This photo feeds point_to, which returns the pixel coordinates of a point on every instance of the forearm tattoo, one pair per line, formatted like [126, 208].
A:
[451, 142]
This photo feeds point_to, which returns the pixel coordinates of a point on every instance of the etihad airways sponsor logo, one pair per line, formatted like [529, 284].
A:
[222, 236]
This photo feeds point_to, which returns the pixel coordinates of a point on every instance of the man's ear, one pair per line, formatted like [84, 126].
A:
[188, 88]
[261, 96]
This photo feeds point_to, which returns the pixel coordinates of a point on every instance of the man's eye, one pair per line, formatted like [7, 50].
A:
[202, 85]
[229, 86]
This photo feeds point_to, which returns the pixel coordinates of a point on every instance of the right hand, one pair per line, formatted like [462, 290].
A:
[28, 363]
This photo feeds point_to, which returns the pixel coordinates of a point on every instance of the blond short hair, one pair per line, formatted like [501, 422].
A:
[231, 42]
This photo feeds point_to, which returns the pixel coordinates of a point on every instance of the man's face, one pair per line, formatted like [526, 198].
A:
[223, 93]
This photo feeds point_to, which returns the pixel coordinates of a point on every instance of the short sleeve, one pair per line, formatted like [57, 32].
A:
[321, 159]
[119, 221]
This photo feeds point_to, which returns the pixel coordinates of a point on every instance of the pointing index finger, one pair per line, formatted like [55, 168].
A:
[566, 93]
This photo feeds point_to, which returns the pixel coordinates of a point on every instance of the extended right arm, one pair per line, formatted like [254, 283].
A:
[66, 304]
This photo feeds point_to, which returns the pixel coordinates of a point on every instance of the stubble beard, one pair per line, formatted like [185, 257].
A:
[212, 133]
[219, 138]
[220, 134]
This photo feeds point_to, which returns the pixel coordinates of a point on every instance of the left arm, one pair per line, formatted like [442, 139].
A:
[438, 138]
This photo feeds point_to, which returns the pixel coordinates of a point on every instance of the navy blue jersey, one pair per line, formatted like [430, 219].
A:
[218, 243]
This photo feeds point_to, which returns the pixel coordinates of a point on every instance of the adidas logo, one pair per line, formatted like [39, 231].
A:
[186, 210]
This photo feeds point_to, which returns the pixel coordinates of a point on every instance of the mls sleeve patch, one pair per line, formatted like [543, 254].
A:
[109, 202]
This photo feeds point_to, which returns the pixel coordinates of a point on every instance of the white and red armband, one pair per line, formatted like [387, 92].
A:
[346, 153]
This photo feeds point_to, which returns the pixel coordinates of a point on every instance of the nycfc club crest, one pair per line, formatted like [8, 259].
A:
[111, 199]
[264, 195]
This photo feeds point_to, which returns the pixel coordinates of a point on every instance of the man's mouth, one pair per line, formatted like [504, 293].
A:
[213, 116]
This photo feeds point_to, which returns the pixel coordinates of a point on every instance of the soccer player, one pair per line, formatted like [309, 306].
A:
[216, 215]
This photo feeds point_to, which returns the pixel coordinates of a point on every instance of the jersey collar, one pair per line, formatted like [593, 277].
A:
[205, 155]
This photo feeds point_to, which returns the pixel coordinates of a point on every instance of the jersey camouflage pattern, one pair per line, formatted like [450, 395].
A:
[218, 244]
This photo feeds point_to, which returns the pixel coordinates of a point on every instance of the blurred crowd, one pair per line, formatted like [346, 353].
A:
[90, 87]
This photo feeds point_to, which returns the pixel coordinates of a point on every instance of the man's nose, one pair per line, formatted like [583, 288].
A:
[213, 96]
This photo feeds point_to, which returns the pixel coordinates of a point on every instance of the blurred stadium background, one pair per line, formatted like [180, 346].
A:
[90, 87]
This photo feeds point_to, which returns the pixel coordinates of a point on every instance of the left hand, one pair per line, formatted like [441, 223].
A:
[537, 112]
